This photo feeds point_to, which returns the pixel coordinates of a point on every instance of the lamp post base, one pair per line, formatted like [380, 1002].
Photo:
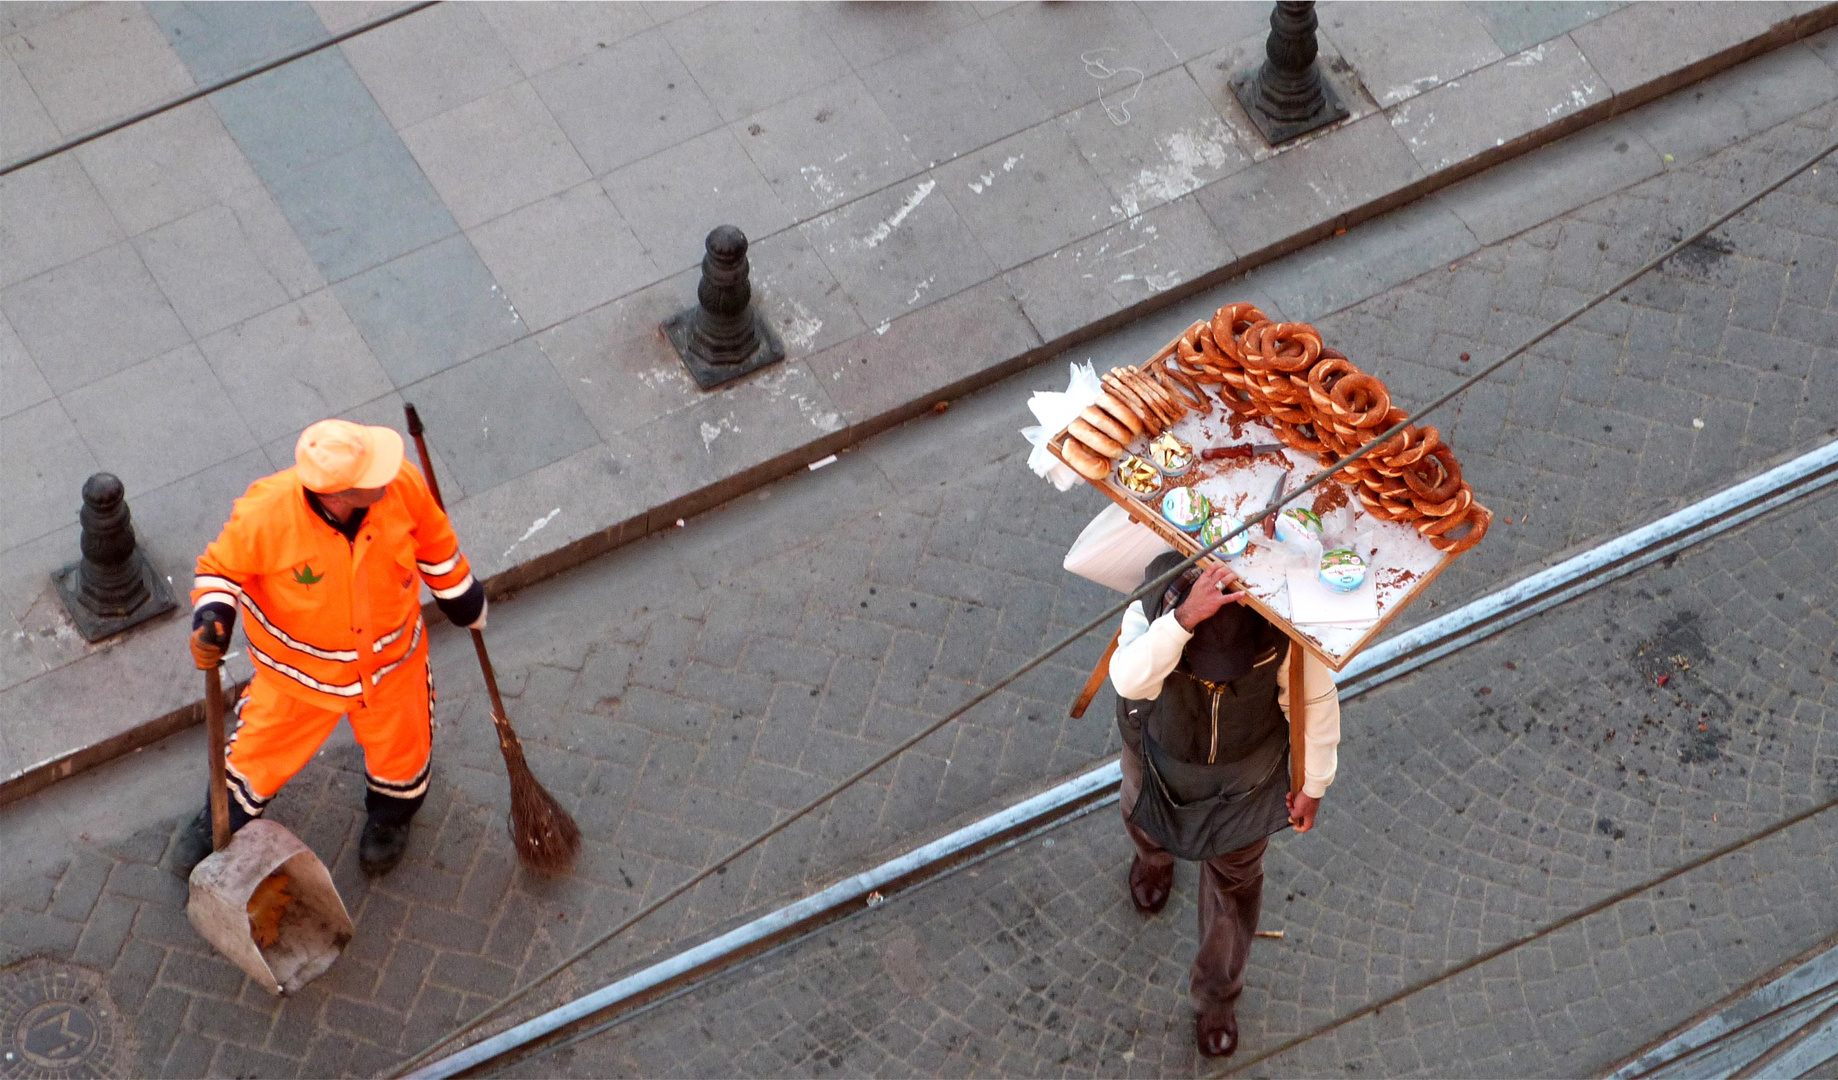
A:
[93, 625]
[708, 372]
[1278, 131]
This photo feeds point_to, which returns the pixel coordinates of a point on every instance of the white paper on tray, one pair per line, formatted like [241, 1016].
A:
[1312, 603]
[1055, 410]
[1396, 556]
[1114, 551]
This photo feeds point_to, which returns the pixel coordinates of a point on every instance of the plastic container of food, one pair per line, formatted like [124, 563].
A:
[1138, 476]
[1172, 456]
[1218, 525]
[1341, 570]
[1186, 509]
[1296, 527]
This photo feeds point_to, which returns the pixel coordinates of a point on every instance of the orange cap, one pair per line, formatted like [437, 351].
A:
[337, 455]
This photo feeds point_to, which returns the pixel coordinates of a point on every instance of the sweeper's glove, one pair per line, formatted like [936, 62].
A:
[210, 636]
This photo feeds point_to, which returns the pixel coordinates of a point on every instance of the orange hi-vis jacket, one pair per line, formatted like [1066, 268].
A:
[331, 617]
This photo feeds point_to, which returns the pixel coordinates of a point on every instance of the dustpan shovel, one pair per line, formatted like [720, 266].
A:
[312, 927]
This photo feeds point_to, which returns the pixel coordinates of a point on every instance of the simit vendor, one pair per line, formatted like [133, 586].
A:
[1203, 695]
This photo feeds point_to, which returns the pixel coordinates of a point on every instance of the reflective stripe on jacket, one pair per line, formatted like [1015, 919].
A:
[329, 616]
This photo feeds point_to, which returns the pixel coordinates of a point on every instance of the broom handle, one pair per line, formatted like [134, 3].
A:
[421, 450]
[505, 734]
[220, 783]
[1298, 702]
[416, 432]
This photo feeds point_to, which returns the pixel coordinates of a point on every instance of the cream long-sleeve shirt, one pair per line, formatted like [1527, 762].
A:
[1148, 652]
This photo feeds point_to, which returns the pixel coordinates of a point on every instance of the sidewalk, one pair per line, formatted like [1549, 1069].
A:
[474, 208]
[682, 692]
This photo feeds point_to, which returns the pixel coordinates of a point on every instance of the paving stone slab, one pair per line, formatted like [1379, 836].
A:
[89, 66]
[1545, 84]
[665, 198]
[1641, 44]
[1136, 259]
[626, 102]
[166, 167]
[29, 129]
[431, 61]
[564, 255]
[1027, 195]
[826, 146]
[232, 41]
[51, 215]
[430, 310]
[496, 154]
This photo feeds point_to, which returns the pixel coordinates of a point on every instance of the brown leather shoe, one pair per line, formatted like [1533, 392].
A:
[1216, 1035]
[1149, 886]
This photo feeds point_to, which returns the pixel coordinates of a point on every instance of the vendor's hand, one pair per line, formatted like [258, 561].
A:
[479, 623]
[1207, 596]
[1302, 810]
[208, 641]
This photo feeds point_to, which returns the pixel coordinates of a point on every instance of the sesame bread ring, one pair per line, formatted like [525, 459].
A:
[1284, 347]
[1085, 461]
[1102, 420]
[1095, 439]
[1120, 412]
[1229, 324]
[1359, 399]
[1478, 518]
[1455, 508]
[1436, 478]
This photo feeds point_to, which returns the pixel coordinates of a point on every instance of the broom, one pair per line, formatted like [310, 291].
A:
[546, 838]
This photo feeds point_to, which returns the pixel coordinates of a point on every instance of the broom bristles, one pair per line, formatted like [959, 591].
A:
[545, 836]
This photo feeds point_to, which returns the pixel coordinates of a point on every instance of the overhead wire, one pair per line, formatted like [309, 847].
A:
[1148, 589]
[212, 87]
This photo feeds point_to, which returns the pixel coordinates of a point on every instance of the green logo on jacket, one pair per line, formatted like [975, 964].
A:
[305, 576]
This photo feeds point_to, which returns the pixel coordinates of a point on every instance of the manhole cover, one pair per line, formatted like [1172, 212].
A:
[56, 1023]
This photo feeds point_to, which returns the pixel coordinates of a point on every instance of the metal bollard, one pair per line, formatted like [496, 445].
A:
[723, 337]
[114, 586]
[1286, 96]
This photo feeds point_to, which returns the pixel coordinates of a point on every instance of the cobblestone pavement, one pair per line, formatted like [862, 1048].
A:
[681, 693]
[1554, 773]
[1720, 363]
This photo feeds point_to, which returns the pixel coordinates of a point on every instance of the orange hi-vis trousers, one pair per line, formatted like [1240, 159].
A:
[277, 733]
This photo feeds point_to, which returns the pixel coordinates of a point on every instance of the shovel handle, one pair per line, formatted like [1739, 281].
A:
[220, 783]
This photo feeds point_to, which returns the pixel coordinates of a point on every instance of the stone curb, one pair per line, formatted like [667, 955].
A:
[981, 321]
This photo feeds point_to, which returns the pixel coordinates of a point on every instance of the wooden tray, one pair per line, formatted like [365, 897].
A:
[1404, 565]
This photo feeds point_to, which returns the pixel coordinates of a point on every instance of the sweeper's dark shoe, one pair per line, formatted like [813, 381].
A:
[381, 847]
[1150, 885]
[1217, 1035]
[193, 844]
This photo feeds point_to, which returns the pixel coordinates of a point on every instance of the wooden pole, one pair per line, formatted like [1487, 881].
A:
[1098, 675]
[220, 781]
[1298, 704]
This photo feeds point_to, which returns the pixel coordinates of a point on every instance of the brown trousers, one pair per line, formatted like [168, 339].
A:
[1231, 898]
